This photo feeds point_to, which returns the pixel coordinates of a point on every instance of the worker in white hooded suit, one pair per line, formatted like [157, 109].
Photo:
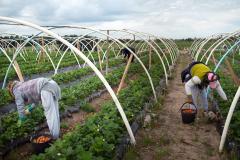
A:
[31, 93]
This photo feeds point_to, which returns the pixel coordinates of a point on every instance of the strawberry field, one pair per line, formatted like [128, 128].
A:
[91, 125]
[224, 56]
[107, 97]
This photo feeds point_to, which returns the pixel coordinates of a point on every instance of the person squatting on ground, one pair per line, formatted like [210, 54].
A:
[127, 53]
[33, 92]
[197, 77]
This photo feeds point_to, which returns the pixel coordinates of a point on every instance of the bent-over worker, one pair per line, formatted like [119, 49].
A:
[127, 53]
[32, 92]
[197, 77]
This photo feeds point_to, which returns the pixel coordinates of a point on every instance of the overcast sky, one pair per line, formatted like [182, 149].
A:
[168, 18]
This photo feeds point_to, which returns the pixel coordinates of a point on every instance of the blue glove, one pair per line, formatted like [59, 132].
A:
[21, 120]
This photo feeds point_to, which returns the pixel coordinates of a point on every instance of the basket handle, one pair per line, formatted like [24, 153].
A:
[188, 103]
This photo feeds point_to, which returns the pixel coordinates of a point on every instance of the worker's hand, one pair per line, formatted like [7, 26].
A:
[21, 120]
[29, 109]
[189, 99]
[212, 116]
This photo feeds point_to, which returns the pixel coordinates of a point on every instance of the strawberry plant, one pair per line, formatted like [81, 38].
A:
[70, 96]
[101, 133]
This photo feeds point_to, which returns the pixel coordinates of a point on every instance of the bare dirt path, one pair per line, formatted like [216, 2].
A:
[167, 138]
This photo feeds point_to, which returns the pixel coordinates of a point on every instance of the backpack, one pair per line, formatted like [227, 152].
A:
[186, 73]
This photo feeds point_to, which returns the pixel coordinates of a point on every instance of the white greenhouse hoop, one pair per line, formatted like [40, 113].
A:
[108, 87]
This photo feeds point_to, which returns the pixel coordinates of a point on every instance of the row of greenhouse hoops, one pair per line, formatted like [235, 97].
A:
[149, 42]
[217, 49]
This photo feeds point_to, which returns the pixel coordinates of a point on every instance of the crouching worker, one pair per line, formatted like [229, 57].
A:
[126, 52]
[32, 92]
[197, 77]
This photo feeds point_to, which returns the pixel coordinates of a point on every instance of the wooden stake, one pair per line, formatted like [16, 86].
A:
[106, 67]
[214, 60]
[99, 58]
[233, 58]
[42, 48]
[78, 45]
[42, 55]
[18, 71]
[232, 73]
[150, 57]
[124, 74]
[107, 54]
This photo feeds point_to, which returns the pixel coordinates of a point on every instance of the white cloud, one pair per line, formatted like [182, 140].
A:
[172, 18]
